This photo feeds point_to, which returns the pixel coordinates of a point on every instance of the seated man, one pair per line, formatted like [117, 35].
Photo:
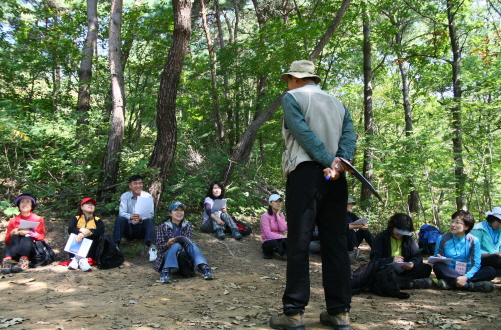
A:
[353, 237]
[129, 223]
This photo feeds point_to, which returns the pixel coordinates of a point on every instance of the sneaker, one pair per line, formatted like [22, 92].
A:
[282, 321]
[22, 264]
[444, 285]
[421, 283]
[207, 273]
[84, 265]
[73, 264]
[165, 276]
[235, 233]
[220, 233]
[482, 286]
[339, 322]
[6, 265]
[153, 253]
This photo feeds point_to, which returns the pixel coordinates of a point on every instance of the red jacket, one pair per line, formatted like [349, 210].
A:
[14, 223]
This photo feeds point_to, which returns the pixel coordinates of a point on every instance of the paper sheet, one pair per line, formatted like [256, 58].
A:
[144, 207]
[80, 249]
[28, 224]
[218, 205]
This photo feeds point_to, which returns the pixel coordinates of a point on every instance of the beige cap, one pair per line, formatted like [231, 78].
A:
[301, 69]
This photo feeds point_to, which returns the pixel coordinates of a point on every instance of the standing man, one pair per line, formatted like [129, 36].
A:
[129, 223]
[318, 131]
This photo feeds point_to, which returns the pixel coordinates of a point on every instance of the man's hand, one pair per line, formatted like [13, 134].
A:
[334, 171]
[135, 218]
[398, 259]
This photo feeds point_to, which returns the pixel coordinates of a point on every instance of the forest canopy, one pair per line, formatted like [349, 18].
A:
[185, 93]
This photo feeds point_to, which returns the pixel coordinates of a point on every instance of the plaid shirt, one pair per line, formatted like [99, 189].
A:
[165, 232]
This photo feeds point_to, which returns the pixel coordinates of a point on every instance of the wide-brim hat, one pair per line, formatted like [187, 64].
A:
[25, 195]
[175, 205]
[495, 212]
[88, 199]
[302, 69]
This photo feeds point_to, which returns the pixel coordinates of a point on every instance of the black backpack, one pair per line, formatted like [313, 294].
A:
[41, 254]
[186, 267]
[363, 276]
[108, 254]
[386, 283]
[242, 227]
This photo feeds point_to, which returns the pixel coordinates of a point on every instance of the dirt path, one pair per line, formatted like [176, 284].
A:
[246, 291]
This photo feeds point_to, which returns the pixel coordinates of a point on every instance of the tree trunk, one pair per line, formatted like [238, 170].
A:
[115, 139]
[457, 139]
[212, 55]
[85, 72]
[368, 111]
[165, 145]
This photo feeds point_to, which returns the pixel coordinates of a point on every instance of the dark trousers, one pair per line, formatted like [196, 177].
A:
[419, 271]
[492, 261]
[355, 238]
[311, 199]
[19, 246]
[145, 229]
[444, 272]
[274, 245]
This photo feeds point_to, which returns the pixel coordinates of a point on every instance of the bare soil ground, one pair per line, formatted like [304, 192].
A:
[246, 291]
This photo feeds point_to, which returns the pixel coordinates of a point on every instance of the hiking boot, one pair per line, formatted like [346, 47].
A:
[235, 233]
[207, 274]
[339, 322]
[152, 253]
[482, 286]
[73, 264]
[421, 283]
[282, 321]
[282, 256]
[6, 265]
[444, 285]
[267, 256]
[220, 233]
[165, 276]
[84, 265]
[22, 264]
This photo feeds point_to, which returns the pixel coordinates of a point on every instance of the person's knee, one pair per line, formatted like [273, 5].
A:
[121, 220]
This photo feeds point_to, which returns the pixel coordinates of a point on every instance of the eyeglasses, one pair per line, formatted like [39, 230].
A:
[457, 223]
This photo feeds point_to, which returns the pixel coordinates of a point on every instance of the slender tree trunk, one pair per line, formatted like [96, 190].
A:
[165, 145]
[85, 72]
[457, 139]
[212, 55]
[115, 139]
[368, 111]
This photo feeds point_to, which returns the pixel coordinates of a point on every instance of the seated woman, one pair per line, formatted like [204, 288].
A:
[274, 230]
[218, 220]
[464, 271]
[168, 248]
[85, 225]
[395, 244]
[489, 234]
[20, 241]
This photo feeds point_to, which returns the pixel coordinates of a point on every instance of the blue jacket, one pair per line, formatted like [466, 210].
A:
[465, 249]
[486, 244]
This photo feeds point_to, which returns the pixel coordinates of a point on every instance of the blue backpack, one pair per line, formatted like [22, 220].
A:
[427, 238]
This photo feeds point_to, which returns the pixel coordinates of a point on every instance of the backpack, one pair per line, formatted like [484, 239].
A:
[427, 238]
[363, 276]
[108, 255]
[41, 254]
[386, 283]
[185, 264]
[242, 227]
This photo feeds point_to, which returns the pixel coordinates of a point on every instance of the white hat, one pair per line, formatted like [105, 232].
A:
[274, 197]
[495, 212]
[301, 69]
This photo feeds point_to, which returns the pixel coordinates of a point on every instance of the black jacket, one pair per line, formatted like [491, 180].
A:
[381, 249]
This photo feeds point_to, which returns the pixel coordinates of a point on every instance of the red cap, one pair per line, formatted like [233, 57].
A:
[88, 199]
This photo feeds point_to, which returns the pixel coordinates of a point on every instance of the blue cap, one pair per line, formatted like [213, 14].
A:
[274, 197]
[175, 205]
